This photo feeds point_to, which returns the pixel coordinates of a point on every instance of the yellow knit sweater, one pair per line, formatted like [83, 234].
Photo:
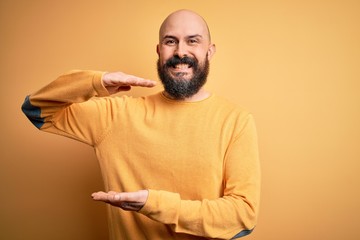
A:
[199, 160]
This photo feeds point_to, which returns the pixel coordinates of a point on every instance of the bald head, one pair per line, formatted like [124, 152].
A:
[185, 21]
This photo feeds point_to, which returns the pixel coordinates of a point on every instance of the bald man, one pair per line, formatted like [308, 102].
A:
[179, 164]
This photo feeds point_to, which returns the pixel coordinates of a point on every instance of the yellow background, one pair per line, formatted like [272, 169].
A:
[294, 64]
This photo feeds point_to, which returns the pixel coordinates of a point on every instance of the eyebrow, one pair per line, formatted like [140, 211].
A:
[190, 36]
[195, 36]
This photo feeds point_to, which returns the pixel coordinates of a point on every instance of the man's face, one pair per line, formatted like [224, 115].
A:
[184, 52]
[178, 86]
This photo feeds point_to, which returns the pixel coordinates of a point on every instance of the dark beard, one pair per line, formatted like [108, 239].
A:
[180, 88]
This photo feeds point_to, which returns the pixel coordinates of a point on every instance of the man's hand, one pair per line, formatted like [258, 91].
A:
[116, 82]
[130, 201]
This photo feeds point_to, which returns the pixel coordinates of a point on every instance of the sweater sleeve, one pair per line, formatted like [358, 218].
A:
[62, 107]
[229, 217]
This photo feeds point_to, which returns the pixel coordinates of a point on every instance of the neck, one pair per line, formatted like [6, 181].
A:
[200, 95]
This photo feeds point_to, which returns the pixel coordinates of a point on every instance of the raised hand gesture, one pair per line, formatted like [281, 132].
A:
[116, 82]
[130, 201]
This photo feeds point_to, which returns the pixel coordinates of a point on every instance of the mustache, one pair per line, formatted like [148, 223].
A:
[175, 60]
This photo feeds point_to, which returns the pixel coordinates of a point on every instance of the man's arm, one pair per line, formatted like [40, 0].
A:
[62, 107]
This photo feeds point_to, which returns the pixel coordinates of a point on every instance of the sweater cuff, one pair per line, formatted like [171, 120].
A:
[98, 85]
[162, 206]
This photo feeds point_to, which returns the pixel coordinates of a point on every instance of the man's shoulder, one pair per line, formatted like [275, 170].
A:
[229, 105]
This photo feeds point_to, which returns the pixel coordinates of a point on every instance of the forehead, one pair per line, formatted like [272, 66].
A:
[183, 25]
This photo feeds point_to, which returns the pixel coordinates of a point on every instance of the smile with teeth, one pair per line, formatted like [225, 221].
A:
[181, 70]
[182, 66]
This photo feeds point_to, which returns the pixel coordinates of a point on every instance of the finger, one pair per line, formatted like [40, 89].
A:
[109, 197]
[100, 196]
[129, 201]
[114, 196]
[122, 79]
[139, 82]
[128, 197]
[139, 196]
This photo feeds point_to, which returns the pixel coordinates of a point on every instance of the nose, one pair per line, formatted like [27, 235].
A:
[181, 50]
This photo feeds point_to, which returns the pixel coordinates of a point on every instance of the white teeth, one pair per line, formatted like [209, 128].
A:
[182, 66]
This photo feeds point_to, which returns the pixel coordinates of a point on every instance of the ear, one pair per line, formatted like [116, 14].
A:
[211, 51]
[158, 50]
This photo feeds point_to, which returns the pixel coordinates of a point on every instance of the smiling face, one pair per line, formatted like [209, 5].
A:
[184, 51]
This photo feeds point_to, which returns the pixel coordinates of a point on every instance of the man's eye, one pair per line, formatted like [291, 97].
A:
[193, 41]
[170, 42]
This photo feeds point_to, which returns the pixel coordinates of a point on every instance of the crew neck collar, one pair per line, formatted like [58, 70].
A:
[162, 94]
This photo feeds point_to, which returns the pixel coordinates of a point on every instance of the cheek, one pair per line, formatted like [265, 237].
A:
[164, 56]
[165, 51]
[201, 54]
[202, 58]
[162, 60]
